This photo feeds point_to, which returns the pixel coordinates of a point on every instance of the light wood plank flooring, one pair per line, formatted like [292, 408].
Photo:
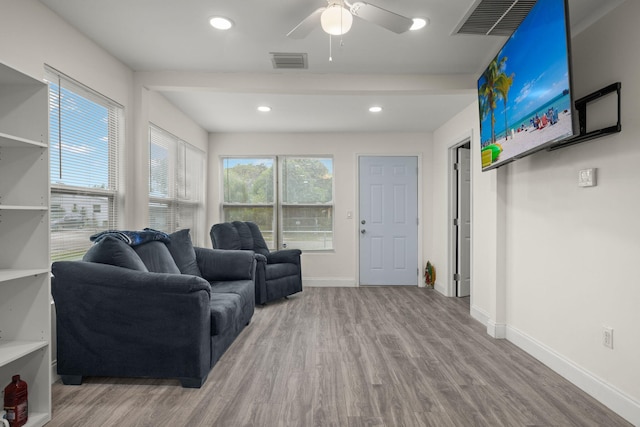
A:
[380, 356]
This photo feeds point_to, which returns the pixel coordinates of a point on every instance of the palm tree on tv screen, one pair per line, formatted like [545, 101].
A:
[502, 85]
[496, 86]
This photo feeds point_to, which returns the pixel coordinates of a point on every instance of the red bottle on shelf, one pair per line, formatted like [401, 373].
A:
[15, 402]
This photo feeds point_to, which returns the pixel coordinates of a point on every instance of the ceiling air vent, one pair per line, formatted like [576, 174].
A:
[495, 17]
[289, 61]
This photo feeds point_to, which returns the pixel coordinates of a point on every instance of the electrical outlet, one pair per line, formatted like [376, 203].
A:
[607, 337]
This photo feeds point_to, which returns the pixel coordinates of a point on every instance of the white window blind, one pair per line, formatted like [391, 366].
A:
[85, 129]
[176, 184]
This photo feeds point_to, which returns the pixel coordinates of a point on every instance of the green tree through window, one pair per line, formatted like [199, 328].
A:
[301, 210]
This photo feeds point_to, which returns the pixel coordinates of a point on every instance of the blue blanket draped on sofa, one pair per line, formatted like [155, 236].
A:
[133, 238]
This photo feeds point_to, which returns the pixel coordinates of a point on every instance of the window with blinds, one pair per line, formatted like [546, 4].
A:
[85, 129]
[176, 184]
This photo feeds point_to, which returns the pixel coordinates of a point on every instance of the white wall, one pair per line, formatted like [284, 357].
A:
[338, 267]
[164, 114]
[583, 238]
[558, 265]
[465, 125]
[32, 36]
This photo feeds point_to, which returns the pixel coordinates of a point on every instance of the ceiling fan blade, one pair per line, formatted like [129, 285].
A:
[309, 23]
[389, 20]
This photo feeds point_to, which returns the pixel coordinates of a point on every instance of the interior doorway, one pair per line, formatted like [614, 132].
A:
[460, 168]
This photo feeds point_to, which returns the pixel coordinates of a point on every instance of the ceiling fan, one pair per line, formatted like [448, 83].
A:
[337, 17]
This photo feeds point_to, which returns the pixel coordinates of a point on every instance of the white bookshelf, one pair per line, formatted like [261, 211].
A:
[25, 309]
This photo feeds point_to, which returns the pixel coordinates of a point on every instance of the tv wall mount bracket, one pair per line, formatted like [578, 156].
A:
[581, 107]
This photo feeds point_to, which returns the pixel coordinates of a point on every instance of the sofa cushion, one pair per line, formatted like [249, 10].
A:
[259, 245]
[181, 249]
[226, 310]
[243, 288]
[246, 238]
[157, 258]
[110, 250]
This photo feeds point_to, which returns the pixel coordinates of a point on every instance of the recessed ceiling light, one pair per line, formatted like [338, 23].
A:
[419, 23]
[264, 108]
[375, 109]
[220, 23]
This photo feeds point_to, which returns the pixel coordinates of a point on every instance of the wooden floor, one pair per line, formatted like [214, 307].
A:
[380, 356]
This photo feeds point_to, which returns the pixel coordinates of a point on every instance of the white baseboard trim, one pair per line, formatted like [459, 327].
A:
[619, 402]
[496, 330]
[334, 282]
[54, 372]
[444, 290]
[480, 315]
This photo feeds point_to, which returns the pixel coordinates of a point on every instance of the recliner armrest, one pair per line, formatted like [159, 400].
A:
[221, 264]
[284, 255]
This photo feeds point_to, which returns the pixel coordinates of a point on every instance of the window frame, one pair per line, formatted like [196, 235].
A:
[271, 242]
[177, 186]
[115, 132]
[278, 204]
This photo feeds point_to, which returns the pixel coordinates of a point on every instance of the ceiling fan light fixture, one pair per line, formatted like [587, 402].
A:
[220, 23]
[419, 23]
[336, 20]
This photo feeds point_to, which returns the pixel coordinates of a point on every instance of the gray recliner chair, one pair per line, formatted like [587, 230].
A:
[278, 273]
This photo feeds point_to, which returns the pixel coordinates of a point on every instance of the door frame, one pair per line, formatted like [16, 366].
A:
[356, 227]
[450, 289]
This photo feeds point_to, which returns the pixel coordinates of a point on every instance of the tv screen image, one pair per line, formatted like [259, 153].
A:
[524, 94]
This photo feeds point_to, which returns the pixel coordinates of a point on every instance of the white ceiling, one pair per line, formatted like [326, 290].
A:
[169, 35]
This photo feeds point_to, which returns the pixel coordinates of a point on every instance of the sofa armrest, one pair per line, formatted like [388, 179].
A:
[284, 255]
[261, 278]
[220, 264]
[110, 319]
[91, 274]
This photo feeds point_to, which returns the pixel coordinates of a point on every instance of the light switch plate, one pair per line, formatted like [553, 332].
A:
[587, 177]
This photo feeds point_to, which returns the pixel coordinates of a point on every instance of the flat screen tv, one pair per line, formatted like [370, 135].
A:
[525, 94]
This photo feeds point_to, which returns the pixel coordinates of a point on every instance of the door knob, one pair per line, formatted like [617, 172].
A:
[363, 231]
[363, 222]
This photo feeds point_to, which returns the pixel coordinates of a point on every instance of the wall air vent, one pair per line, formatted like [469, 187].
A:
[494, 17]
[289, 61]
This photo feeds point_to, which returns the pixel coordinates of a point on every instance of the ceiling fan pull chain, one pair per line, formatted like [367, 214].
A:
[341, 27]
[330, 57]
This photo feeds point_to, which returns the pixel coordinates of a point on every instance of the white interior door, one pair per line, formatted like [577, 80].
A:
[463, 284]
[388, 220]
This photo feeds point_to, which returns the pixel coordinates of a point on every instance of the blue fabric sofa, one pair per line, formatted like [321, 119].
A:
[158, 309]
